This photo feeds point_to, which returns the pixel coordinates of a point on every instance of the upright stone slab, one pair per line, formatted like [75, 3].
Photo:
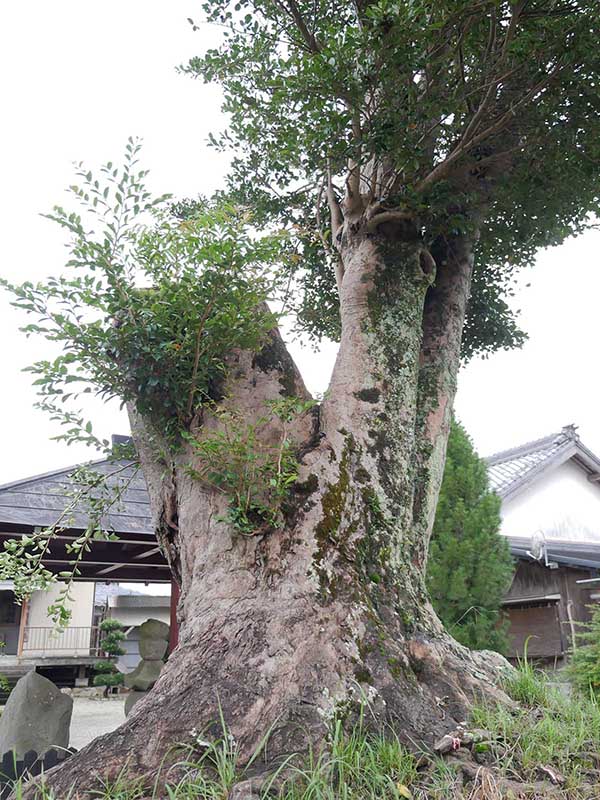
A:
[37, 716]
[154, 629]
[144, 676]
[153, 649]
[154, 640]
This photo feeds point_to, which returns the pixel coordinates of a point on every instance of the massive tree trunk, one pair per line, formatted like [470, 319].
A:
[287, 629]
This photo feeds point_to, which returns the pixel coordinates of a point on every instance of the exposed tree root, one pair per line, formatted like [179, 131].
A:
[419, 702]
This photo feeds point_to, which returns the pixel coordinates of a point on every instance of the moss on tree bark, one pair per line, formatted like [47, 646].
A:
[291, 628]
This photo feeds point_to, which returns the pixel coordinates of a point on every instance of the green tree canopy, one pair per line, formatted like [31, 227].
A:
[470, 566]
[413, 109]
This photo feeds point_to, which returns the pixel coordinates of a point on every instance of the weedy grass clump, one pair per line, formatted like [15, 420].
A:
[552, 731]
[256, 476]
[546, 733]
[527, 684]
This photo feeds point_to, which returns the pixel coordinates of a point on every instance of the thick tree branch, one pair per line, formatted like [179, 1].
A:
[378, 218]
[352, 203]
[327, 246]
[443, 319]
[491, 44]
[335, 210]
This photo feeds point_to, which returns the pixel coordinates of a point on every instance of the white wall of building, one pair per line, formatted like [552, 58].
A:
[75, 640]
[562, 504]
[131, 617]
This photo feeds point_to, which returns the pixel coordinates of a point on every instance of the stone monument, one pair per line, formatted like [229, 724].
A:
[154, 641]
[37, 716]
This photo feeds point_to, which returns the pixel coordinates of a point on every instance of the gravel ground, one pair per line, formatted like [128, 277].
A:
[92, 718]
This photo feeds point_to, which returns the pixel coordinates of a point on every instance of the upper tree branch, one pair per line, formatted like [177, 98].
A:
[512, 27]
[442, 170]
[443, 320]
[337, 263]
[335, 210]
[290, 7]
[353, 179]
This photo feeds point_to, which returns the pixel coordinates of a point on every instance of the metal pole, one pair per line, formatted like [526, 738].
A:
[22, 626]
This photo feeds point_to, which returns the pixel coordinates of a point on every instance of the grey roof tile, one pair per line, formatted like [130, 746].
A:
[38, 501]
[512, 470]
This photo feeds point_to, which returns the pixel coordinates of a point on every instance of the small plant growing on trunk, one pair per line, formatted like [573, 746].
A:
[255, 475]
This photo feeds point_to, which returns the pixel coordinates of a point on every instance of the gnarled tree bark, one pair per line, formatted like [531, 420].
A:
[285, 630]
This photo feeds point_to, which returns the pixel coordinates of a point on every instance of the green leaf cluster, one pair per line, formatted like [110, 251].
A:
[470, 566]
[254, 471]
[152, 304]
[155, 299]
[446, 109]
[90, 492]
[584, 667]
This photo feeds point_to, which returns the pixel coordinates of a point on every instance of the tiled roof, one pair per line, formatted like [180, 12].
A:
[38, 501]
[512, 470]
[132, 555]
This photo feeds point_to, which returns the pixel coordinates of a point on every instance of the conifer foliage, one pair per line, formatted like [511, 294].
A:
[470, 566]
[585, 659]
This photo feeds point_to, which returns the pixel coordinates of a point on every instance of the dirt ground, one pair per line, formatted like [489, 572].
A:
[92, 718]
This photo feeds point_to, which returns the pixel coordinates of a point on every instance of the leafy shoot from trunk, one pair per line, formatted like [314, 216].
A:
[256, 476]
[151, 308]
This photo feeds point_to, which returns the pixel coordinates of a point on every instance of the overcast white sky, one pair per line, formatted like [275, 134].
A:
[78, 78]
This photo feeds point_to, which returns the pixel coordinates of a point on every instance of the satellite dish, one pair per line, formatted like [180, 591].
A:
[538, 546]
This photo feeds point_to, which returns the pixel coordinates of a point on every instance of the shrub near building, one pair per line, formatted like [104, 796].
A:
[108, 672]
[470, 566]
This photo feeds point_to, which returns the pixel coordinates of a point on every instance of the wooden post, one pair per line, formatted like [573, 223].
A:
[22, 626]
[174, 626]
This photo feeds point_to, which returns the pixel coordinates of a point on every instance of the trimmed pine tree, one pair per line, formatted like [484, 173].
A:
[108, 674]
[470, 566]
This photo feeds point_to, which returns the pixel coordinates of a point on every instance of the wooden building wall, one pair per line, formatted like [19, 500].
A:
[543, 607]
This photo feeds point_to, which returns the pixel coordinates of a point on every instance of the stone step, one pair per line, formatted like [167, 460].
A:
[15, 669]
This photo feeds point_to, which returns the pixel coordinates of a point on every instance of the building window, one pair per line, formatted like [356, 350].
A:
[8, 609]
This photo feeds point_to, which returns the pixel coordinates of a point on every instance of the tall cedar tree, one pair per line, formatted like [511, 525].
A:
[399, 143]
[470, 566]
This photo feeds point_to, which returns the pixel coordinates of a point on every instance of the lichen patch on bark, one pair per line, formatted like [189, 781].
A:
[290, 629]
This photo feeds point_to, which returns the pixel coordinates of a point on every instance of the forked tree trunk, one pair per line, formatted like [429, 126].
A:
[286, 630]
